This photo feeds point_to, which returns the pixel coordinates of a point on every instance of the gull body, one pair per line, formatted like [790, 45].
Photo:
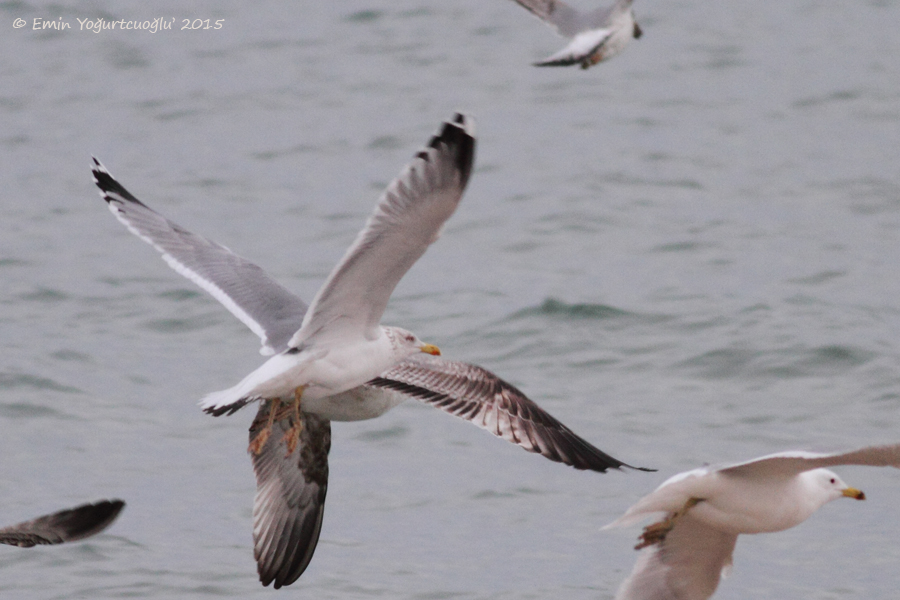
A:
[685, 555]
[291, 487]
[324, 371]
[731, 503]
[594, 36]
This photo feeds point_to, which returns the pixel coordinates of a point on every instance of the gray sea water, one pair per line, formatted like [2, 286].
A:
[688, 254]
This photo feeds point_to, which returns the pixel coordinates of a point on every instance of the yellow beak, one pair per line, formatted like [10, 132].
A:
[430, 349]
[854, 493]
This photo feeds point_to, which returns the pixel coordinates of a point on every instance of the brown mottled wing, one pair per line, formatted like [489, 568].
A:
[687, 565]
[290, 496]
[63, 526]
[479, 396]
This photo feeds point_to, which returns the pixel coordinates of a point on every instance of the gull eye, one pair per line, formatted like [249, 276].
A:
[410, 338]
[833, 480]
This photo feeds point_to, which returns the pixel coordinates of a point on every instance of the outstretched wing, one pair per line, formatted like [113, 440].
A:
[482, 398]
[687, 565]
[407, 219]
[290, 496]
[793, 462]
[563, 18]
[269, 310]
[63, 526]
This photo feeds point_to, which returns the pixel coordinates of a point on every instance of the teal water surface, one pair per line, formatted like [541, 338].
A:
[687, 254]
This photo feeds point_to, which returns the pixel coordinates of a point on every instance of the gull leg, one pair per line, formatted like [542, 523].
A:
[656, 532]
[292, 435]
[592, 60]
[257, 443]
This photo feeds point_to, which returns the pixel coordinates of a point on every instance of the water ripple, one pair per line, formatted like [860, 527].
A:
[20, 410]
[557, 308]
[11, 381]
[727, 363]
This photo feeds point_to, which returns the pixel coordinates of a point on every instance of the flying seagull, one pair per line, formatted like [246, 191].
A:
[687, 552]
[291, 487]
[595, 36]
[63, 526]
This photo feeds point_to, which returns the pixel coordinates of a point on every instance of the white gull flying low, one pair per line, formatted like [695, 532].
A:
[687, 552]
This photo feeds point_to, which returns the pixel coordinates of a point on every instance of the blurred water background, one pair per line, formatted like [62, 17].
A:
[688, 254]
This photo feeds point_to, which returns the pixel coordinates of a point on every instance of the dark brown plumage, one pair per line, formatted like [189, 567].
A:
[63, 526]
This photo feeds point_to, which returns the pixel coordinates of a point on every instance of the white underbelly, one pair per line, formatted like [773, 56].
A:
[357, 404]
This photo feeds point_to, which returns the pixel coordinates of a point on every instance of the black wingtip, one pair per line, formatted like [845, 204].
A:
[621, 466]
[230, 409]
[554, 63]
[98, 169]
[567, 63]
[88, 519]
[108, 510]
[644, 469]
[458, 134]
[600, 462]
[110, 189]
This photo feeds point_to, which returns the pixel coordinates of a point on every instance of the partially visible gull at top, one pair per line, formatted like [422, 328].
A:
[595, 36]
[298, 408]
[687, 553]
[64, 526]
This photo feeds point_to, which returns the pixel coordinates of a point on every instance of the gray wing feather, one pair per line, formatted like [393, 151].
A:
[563, 18]
[687, 565]
[407, 219]
[477, 395]
[268, 309]
[796, 462]
[604, 17]
[63, 526]
[290, 497]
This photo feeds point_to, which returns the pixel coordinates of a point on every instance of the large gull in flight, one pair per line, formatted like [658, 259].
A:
[686, 553]
[291, 486]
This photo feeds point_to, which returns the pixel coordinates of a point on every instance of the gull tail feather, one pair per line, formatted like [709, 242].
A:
[225, 402]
